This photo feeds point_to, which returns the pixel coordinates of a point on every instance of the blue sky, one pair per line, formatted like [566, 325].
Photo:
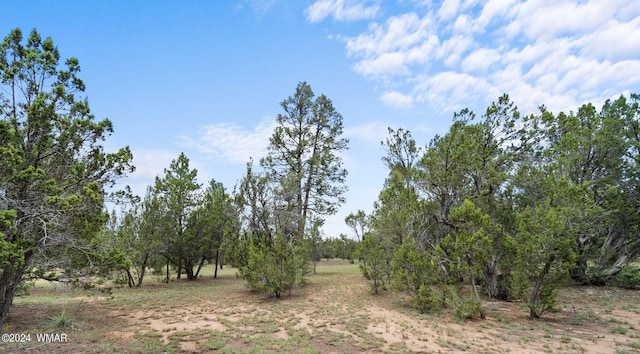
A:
[206, 77]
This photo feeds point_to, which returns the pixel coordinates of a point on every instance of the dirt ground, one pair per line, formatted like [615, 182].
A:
[335, 313]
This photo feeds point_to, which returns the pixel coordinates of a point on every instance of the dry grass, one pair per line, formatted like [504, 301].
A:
[335, 313]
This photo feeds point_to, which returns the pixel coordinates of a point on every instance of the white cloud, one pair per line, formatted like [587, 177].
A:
[551, 19]
[342, 10]
[397, 100]
[383, 65]
[372, 132]
[480, 60]
[493, 10]
[149, 164]
[389, 49]
[448, 9]
[398, 33]
[614, 41]
[560, 53]
[232, 143]
[453, 48]
[450, 90]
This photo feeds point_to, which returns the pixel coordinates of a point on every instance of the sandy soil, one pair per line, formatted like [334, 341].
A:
[337, 313]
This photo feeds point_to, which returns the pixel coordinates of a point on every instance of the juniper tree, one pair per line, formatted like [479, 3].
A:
[54, 172]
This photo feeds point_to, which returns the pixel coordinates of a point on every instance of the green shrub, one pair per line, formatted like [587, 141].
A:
[275, 265]
[62, 320]
[628, 278]
[448, 296]
[434, 298]
[467, 308]
[427, 301]
[411, 268]
[23, 288]
[546, 301]
[374, 263]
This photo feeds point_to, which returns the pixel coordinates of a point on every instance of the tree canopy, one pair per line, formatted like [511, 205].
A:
[55, 172]
[521, 202]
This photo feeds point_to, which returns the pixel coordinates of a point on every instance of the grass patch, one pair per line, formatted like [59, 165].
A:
[65, 319]
[619, 330]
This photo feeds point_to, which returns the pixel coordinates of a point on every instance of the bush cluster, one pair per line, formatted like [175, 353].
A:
[275, 265]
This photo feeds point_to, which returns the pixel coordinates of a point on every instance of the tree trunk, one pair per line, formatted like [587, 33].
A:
[579, 272]
[476, 295]
[199, 267]
[215, 271]
[307, 185]
[188, 270]
[534, 299]
[143, 268]
[167, 278]
[129, 278]
[9, 280]
[620, 263]
[604, 275]
[491, 280]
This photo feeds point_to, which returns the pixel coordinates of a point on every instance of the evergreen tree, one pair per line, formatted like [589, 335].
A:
[54, 172]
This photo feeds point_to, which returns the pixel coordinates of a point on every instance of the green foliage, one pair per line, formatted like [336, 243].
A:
[374, 263]
[341, 247]
[178, 194]
[314, 243]
[397, 210]
[303, 181]
[190, 223]
[137, 235]
[178, 220]
[236, 249]
[24, 287]
[63, 320]
[275, 265]
[467, 308]
[11, 254]
[545, 300]
[304, 158]
[469, 246]
[426, 300]
[628, 278]
[510, 203]
[55, 173]
[346, 248]
[599, 151]
[546, 239]
[412, 268]
[433, 298]
[359, 223]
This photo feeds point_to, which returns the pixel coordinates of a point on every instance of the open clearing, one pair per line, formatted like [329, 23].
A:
[335, 313]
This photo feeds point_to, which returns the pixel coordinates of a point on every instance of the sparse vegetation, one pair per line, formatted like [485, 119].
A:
[336, 312]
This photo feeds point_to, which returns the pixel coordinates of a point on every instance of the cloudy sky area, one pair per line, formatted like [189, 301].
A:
[206, 77]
